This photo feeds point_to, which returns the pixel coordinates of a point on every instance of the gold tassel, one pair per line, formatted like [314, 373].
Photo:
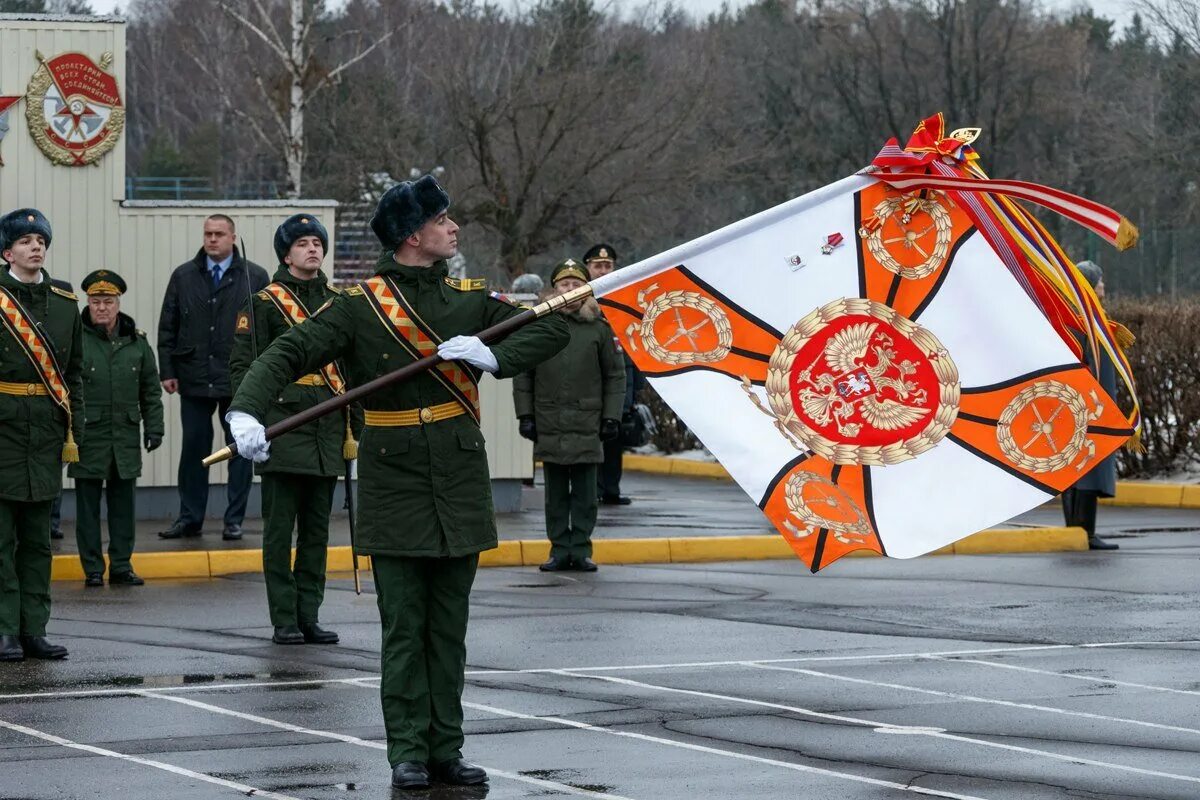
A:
[1127, 234]
[1123, 335]
[1134, 443]
[70, 451]
[349, 446]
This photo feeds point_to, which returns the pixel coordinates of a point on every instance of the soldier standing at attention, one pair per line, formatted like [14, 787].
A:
[41, 413]
[299, 478]
[568, 405]
[122, 395]
[425, 501]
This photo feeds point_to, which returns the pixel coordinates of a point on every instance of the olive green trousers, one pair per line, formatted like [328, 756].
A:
[119, 495]
[571, 508]
[25, 559]
[299, 503]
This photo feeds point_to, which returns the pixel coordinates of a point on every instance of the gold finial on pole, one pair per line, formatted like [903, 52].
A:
[224, 454]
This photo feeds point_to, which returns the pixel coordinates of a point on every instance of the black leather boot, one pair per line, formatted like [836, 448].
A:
[1096, 543]
[129, 578]
[410, 775]
[287, 634]
[40, 647]
[315, 634]
[554, 564]
[10, 649]
[458, 772]
[584, 564]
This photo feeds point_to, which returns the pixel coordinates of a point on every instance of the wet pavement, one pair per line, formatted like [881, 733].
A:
[1068, 675]
[663, 506]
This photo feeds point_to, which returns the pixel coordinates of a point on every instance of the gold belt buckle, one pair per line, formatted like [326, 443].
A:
[31, 389]
[426, 415]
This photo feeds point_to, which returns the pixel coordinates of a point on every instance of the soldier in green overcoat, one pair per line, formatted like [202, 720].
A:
[567, 406]
[123, 399]
[41, 416]
[299, 478]
[425, 504]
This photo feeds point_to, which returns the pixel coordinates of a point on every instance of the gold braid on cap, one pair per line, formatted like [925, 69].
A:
[103, 287]
[572, 272]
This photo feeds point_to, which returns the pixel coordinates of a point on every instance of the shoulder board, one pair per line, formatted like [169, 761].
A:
[466, 284]
[263, 295]
[140, 332]
[63, 293]
[352, 291]
[333, 288]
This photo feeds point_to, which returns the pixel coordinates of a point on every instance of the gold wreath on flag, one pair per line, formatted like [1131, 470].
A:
[826, 506]
[912, 220]
[1064, 438]
[671, 306]
[863, 389]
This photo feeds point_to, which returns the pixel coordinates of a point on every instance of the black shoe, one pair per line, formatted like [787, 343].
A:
[615, 500]
[555, 564]
[94, 579]
[458, 772]
[39, 647]
[179, 531]
[232, 533]
[287, 634]
[56, 534]
[1096, 543]
[10, 649]
[584, 564]
[410, 775]
[315, 634]
[129, 578]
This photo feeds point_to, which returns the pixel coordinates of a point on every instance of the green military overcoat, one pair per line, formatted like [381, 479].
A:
[121, 395]
[570, 393]
[33, 429]
[316, 448]
[424, 490]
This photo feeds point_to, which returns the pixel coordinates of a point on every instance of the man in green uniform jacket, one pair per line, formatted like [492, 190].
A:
[299, 478]
[567, 405]
[425, 503]
[41, 415]
[121, 393]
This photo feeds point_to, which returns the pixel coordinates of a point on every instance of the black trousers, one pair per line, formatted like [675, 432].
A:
[609, 482]
[197, 414]
[1079, 509]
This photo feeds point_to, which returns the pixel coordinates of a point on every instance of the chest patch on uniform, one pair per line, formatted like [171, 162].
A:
[466, 284]
[243, 323]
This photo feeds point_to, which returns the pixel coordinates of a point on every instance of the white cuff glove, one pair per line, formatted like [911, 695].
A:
[471, 350]
[249, 435]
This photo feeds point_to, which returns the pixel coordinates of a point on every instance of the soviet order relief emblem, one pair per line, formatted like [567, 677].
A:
[905, 227]
[681, 327]
[857, 383]
[1044, 428]
[817, 503]
[74, 108]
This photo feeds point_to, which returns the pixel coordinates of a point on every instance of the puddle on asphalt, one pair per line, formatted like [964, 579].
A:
[563, 776]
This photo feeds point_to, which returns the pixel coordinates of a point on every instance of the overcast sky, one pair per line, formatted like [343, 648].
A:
[1120, 10]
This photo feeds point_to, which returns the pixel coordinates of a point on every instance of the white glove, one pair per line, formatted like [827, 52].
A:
[471, 350]
[249, 435]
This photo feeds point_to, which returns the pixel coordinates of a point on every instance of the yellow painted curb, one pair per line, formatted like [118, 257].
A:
[1129, 493]
[531, 552]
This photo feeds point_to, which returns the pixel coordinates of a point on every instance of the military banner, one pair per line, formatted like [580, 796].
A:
[869, 367]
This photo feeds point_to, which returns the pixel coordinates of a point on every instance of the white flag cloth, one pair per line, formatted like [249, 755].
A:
[894, 389]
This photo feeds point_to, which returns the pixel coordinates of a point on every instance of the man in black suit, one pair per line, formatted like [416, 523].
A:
[195, 337]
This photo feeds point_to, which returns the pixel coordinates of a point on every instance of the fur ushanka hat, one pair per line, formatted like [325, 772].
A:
[405, 207]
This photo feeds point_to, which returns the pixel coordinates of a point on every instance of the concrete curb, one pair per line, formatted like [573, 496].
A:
[531, 552]
[1129, 493]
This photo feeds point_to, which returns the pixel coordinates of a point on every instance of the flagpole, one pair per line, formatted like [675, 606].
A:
[336, 402]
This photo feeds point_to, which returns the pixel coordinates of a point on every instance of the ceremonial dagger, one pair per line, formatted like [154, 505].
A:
[487, 335]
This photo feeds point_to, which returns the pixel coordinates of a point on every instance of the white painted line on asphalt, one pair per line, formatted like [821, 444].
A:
[900, 728]
[975, 699]
[699, 748]
[242, 788]
[354, 740]
[1088, 678]
[191, 687]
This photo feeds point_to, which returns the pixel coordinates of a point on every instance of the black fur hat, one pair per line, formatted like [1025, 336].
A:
[405, 207]
[296, 227]
[23, 222]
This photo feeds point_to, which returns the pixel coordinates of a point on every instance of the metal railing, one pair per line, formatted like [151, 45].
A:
[146, 187]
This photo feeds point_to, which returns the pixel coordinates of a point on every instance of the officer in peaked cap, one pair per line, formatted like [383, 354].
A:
[299, 478]
[123, 399]
[44, 409]
[425, 504]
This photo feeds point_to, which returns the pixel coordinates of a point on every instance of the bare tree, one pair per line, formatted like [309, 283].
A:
[291, 46]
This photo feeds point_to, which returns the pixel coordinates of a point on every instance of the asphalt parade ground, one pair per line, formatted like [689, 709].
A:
[1061, 675]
